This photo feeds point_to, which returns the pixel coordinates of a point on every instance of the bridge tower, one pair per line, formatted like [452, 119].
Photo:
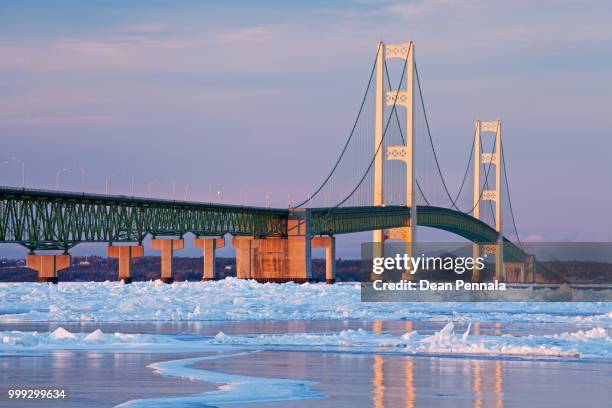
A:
[493, 159]
[405, 153]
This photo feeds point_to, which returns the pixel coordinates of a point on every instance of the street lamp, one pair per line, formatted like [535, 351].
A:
[149, 186]
[132, 180]
[244, 197]
[57, 177]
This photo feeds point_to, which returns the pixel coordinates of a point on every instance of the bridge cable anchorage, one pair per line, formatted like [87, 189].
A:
[518, 238]
[348, 141]
[393, 108]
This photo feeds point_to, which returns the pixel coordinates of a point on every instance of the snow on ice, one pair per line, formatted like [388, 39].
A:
[240, 300]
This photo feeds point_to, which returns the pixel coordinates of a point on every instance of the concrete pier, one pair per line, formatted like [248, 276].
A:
[272, 259]
[279, 259]
[124, 254]
[263, 259]
[167, 246]
[47, 266]
[329, 243]
[209, 246]
[403, 234]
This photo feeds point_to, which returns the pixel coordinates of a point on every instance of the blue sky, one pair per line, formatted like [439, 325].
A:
[258, 96]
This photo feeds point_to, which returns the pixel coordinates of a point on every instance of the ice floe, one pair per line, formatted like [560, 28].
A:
[595, 343]
[240, 300]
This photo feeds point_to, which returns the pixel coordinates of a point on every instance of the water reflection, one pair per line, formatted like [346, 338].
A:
[378, 394]
[378, 373]
[377, 326]
[499, 385]
[409, 383]
[487, 377]
[477, 384]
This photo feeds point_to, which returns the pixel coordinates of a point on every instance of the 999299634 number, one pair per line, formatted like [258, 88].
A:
[36, 394]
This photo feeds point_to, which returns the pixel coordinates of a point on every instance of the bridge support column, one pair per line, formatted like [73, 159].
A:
[476, 273]
[530, 269]
[245, 247]
[404, 234]
[47, 266]
[299, 245]
[495, 194]
[277, 259]
[209, 247]
[272, 259]
[124, 254]
[329, 243]
[167, 248]
[515, 272]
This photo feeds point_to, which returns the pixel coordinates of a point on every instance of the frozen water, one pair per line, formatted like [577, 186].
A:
[234, 389]
[595, 343]
[233, 299]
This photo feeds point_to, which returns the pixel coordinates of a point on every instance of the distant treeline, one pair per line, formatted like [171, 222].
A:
[97, 268]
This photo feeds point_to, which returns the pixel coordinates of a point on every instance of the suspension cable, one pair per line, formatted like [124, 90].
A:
[416, 71]
[467, 168]
[348, 141]
[381, 140]
[503, 160]
[402, 133]
[422, 193]
[453, 201]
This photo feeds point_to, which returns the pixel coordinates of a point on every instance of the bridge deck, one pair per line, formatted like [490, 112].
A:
[42, 219]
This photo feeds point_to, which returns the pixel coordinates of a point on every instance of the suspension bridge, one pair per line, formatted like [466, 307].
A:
[387, 179]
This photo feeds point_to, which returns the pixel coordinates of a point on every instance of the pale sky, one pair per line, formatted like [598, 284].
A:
[258, 96]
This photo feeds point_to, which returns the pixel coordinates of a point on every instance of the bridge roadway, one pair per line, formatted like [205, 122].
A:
[44, 220]
[53, 220]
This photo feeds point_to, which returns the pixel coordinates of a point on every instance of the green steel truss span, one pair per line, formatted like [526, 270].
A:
[40, 219]
[58, 220]
[344, 220]
[325, 221]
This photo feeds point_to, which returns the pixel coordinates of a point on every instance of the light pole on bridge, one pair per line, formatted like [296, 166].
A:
[149, 184]
[57, 177]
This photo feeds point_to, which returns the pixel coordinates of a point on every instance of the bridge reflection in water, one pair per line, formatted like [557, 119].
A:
[487, 378]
